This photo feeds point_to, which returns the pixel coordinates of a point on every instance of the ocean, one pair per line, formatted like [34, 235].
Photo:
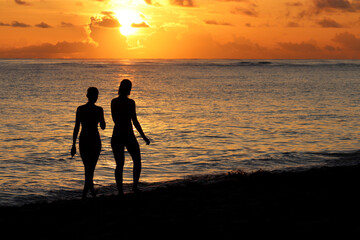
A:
[203, 117]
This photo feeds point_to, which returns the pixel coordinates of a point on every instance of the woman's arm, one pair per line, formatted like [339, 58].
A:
[137, 124]
[102, 119]
[113, 112]
[75, 133]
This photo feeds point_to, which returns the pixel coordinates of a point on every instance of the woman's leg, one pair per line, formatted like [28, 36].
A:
[89, 151]
[91, 176]
[134, 150]
[86, 184]
[118, 151]
[89, 165]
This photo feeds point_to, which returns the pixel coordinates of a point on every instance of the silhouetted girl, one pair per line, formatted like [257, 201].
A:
[89, 116]
[124, 115]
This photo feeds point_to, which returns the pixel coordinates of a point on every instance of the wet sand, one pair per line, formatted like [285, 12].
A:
[323, 202]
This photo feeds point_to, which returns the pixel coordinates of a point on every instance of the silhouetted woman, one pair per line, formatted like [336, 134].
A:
[124, 115]
[89, 116]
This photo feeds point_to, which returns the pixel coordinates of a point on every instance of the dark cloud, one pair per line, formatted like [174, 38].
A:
[303, 47]
[140, 25]
[317, 7]
[48, 50]
[4, 24]
[19, 24]
[333, 5]
[293, 4]
[293, 24]
[249, 11]
[183, 3]
[331, 48]
[108, 13]
[66, 24]
[245, 11]
[243, 48]
[348, 41]
[152, 2]
[310, 50]
[108, 21]
[24, 25]
[43, 25]
[329, 23]
[233, 0]
[20, 2]
[213, 22]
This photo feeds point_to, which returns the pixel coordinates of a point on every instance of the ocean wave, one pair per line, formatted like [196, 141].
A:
[339, 155]
[294, 161]
[243, 63]
[8, 199]
[182, 62]
[277, 63]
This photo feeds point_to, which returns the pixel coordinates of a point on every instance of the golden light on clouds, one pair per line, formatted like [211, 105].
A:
[130, 21]
[239, 29]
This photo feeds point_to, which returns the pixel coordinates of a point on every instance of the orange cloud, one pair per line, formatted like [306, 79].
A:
[105, 32]
[105, 41]
[183, 29]
[197, 44]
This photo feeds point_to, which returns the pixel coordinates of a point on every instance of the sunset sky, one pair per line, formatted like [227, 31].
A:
[241, 29]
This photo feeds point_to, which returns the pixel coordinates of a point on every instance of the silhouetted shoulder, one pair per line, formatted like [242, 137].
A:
[100, 109]
[85, 107]
[89, 113]
[122, 101]
[114, 100]
[131, 101]
[81, 109]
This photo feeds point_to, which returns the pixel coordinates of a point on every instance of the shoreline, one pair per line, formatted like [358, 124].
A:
[320, 200]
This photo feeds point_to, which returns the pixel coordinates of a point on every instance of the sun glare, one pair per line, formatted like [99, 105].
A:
[126, 18]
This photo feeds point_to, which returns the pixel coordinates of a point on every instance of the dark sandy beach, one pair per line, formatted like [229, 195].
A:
[321, 202]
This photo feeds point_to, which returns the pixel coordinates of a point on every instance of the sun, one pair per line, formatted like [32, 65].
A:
[126, 18]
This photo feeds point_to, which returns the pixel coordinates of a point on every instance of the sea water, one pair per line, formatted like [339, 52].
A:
[202, 116]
